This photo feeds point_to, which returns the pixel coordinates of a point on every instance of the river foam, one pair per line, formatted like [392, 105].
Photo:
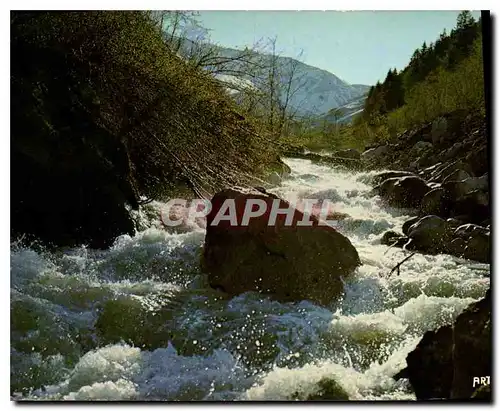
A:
[138, 321]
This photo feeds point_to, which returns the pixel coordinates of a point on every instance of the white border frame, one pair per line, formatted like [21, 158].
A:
[192, 5]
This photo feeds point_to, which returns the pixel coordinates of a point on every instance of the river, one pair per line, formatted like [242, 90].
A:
[138, 321]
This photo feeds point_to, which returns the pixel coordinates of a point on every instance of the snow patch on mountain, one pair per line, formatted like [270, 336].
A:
[235, 84]
[317, 91]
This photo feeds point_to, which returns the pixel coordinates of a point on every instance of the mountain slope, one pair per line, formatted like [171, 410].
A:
[346, 113]
[316, 91]
[320, 91]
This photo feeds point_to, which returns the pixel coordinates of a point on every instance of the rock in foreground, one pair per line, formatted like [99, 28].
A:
[289, 262]
[445, 362]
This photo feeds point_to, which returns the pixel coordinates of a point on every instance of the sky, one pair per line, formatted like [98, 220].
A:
[358, 46]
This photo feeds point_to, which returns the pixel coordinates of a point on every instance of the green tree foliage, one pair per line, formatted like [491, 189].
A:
[441, 77]
[465, 20]
[444, 91]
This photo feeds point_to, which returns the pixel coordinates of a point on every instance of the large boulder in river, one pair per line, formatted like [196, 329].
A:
[403, 191]
[445, 362]
[290, 262]
[429, 234]
[432, 353]
[432, 234]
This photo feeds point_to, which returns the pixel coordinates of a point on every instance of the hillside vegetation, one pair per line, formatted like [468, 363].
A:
[105, 114]
[441, 77]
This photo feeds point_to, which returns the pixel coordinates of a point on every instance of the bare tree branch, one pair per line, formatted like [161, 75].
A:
[398, 266]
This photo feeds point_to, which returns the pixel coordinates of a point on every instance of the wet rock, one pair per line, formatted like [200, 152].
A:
[435, 202]
[279, 167]
[479, 198]
[475, 204]
[478, 160]
[476, 183]
[483, 393]
[327, 389]
[375, 153]
[475, 242]
[348, 153]
[393, 238]
[456, 247]
[429, 366]
[471, 349]
[459, 189]
[455, 189]
[468, 230]
[414, 165]
[457, 175]
[380, 177]
[449, 168]
[452, 152]
[445, 360]
[429, 234]
[408, 223]
[428, 171]
[427, 159]
[404, 191]
[454, 223]
[289, 262]
[421, 146]
[411, 137]
[478, 248]
[486, 223]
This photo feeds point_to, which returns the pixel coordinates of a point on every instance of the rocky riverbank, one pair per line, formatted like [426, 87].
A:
[439, 170]
[443, 175]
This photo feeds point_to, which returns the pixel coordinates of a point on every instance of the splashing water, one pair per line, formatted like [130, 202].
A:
[138, 321]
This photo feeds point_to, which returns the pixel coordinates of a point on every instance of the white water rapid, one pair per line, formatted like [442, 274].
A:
[138, 321]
